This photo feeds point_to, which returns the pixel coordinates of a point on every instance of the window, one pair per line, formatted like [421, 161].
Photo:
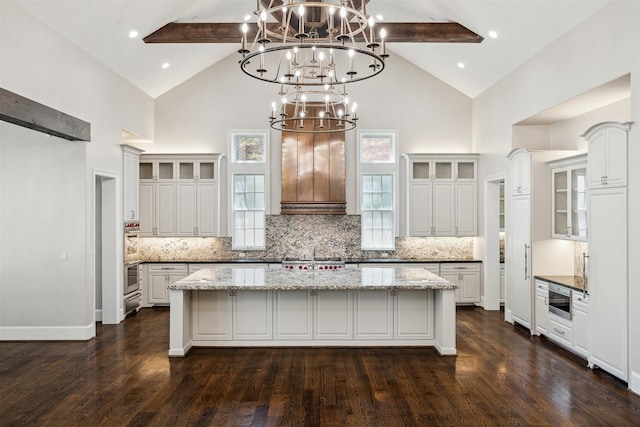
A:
[377, 172]
[248, 148]
[377, 148]
[377, 212]
[248, 211]
[248, 173]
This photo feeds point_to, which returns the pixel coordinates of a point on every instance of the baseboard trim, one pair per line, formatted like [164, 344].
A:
[634, 382]
[47, 333]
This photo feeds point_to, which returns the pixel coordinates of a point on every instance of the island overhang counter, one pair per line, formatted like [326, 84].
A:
[352, 307]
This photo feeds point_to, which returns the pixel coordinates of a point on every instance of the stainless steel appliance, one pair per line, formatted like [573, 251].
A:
[560, 301]
[132, 294]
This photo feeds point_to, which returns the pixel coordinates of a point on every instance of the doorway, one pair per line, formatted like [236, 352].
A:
[108, 296]
[493, 227]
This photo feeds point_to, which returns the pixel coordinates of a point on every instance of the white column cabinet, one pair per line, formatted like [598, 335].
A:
[608, 320]
[520, 293]
[581, 323]
[441, 195]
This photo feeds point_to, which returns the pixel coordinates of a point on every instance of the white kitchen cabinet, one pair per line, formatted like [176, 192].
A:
[520, 292]
[442, 195]
[433, 267]
[607, 147]
[580, 323]
[212, 320]
[180, 195]
[569, 198]
[160, 276]
[293, 315]
[373, 315]
[608, 280]
[252, 315]
[468, 278]
[333, 315]
[542, 307]
[561, 331]
[520, 172]
[413, 314]
[131, 182]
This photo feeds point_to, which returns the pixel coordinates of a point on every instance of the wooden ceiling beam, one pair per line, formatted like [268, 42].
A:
[397, 32]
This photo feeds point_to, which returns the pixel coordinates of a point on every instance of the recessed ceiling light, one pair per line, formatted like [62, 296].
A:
[493, 34]
[165, 65]
[133, 34]
[379, 17]
[460, 64]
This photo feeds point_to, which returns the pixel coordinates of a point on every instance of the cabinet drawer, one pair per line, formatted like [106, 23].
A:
[168, 268]
[560, 332]
[458, 267]
[581, 301]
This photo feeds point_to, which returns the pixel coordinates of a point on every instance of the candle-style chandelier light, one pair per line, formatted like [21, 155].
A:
[313, 50]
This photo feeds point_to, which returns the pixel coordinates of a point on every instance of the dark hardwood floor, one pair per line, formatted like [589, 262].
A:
[502, 376]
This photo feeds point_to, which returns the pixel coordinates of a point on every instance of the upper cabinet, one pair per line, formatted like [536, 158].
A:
[607, 165]
[442, 194]
[520, 172]
[180, 195]
[569, 198]
[131, 157]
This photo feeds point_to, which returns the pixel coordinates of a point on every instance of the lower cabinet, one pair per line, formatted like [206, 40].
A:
[542, 307]
[159, 277]
[571, 334]
[502, 283]
[468, 278]
[580, 321]
[313, 315]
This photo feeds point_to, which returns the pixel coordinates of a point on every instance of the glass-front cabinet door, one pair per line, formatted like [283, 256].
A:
[569, 198]
[579, 203]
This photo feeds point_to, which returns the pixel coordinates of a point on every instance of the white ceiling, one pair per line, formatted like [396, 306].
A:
[101, 28]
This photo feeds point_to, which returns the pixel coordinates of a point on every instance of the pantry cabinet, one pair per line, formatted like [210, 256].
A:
[441, 195]
[542, 307]
[569, 198]
[180, 195]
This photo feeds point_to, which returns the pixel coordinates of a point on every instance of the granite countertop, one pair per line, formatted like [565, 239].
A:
[227, 278]
[347, 261]
[577, 283]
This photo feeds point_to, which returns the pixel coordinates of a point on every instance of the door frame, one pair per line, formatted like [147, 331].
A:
[491, 264]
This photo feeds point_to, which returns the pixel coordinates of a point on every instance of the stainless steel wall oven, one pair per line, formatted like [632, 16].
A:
[560, 301]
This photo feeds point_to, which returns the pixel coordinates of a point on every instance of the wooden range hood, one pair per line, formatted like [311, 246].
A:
[313, 173]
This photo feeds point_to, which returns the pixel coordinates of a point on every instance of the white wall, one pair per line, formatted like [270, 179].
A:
[600, 50]
[195, 116]
[39, 64]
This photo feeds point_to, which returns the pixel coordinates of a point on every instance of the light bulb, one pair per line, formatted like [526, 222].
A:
[289, 56]
[343, 12]
[321, 114]
[340, 113]
[346, 100]
[320, 55]
[351, 53]
[304, 98]
[326, 98]
[301, 10]
[263, 16]
[383, 33]
[245, 28]
[332, 10]
[371, 21]
[354, 106]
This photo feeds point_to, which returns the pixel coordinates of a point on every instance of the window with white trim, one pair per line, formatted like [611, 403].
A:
[377, 171]
[249, 195]
[248, 211]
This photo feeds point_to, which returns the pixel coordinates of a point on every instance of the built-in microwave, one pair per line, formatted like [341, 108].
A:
[560, 301]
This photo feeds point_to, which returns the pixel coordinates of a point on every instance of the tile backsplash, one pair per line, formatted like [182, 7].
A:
[298, 235]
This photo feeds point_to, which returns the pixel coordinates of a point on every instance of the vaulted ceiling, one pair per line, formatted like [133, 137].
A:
[102, 28]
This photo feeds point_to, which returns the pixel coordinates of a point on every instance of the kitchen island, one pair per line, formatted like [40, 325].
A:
[263, 306]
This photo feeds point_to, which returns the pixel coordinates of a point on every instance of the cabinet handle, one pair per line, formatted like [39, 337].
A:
[526, 262]
[232, 293]
[313, 292]
[568, 229]
[394, 292]
[456, 230]
[195, 231]
[558, 331]
[167, 268]
[459, 268]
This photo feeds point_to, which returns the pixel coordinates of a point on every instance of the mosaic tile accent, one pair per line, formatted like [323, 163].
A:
[580, 248]
[296, 236]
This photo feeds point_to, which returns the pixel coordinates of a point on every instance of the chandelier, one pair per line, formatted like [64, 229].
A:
[312, 50]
